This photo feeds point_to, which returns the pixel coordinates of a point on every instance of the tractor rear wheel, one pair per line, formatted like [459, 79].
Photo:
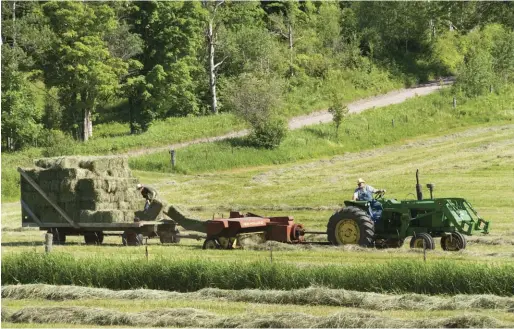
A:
[351, 225]
[420, 238]
[211, 244]
[453, 242]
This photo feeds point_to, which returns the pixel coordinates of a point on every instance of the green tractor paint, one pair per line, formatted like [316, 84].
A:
[385, 223]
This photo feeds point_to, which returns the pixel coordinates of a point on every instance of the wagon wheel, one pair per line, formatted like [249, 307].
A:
[453, 242]
[351, 225]
[418, 239]
[169, 237]
[211, 244]
[58, 238]
[96, 237]
[132, 238]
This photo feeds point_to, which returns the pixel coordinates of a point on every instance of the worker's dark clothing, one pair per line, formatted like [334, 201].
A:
[149, 194]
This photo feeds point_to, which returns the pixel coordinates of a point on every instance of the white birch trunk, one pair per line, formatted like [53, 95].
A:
[212, 72]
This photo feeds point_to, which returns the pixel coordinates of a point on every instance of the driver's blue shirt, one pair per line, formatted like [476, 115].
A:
[364, 194]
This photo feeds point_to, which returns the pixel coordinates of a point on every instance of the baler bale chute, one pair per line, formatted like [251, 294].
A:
[423, 219]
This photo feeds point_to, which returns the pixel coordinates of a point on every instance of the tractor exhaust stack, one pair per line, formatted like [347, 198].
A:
[419, 193]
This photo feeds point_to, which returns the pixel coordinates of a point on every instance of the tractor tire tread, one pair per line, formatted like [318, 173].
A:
[365, 223]
[429, 241]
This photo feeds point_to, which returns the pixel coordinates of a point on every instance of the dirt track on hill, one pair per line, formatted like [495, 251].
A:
[393, 97]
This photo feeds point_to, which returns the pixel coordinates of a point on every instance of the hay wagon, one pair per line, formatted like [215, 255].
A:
[93, 197]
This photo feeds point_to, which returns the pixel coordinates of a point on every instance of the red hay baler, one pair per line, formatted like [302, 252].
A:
[226, 233]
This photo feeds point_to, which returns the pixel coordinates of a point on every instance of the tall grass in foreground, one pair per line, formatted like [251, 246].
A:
[415, 117]
[441, 277]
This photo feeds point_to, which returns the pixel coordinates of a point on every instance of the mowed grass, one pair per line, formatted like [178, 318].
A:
[477, 164]
[474, 163]
[228, 314]
[415, 117]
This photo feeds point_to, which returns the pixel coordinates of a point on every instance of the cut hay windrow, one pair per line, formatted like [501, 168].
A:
[189, 317]
[306, 296]
[167, 273]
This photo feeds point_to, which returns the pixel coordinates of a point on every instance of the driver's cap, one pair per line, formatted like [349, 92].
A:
[360, 180]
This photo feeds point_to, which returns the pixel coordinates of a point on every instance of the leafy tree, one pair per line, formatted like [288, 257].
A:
[20, 116]
[20, 113]
[171, 61]
[284, 18]
[80, 64]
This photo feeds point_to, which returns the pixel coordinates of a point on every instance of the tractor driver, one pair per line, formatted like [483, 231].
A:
[148, 193]
[364, 192]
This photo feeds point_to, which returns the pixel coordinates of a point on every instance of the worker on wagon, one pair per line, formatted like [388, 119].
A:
[148, 193]
[364, 192]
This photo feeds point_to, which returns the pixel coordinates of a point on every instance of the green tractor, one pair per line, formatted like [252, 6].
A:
[385, 223]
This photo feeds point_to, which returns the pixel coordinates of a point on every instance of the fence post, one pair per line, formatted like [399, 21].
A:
[392, 122]
[490, 88]
[48, 242]
[146, 249]
[454, 102]
[270, 251]
[424, 251]
[172, 152]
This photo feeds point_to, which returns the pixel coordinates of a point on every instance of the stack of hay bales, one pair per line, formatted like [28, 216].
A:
[89, 189]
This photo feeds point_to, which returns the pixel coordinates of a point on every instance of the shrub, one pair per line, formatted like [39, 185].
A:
[256, 100]
[269, 134]
[58, 143]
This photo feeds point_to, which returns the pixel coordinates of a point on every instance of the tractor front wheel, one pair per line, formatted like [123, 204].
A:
[351, 225]
[422, 240]
[453, 242]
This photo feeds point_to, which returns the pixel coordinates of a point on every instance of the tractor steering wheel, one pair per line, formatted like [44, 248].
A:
[379, 194]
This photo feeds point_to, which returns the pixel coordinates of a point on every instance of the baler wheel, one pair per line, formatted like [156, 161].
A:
[351, 225]
[417, 241]
[226, 243]
[454, 242]
[211, 244]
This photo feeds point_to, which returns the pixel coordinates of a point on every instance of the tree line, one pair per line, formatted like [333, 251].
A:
[167, 59]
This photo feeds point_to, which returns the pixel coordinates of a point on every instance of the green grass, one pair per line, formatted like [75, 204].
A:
[415, 117]
[115, 138]
[172, 130]
[191, 275]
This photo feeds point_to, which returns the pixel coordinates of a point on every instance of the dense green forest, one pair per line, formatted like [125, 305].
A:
[68, 67]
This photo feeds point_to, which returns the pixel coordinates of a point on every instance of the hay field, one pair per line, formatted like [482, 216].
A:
[475, 163]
